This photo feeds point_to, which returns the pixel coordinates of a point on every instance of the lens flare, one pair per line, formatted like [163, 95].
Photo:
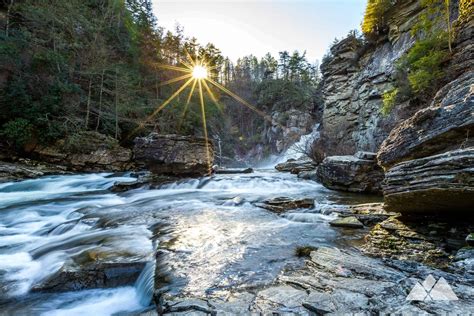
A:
[199, 72]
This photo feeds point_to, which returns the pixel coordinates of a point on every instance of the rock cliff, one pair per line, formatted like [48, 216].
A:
[355, 75]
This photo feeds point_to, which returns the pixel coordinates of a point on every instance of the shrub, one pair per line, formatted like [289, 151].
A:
[389, 99]
[18, 132]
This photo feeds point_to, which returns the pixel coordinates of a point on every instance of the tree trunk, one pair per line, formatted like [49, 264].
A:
[116, 104]
[448, 23]
[88, 103]
[100, 100]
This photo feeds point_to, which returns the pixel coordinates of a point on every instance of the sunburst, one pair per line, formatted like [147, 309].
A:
[197, 74]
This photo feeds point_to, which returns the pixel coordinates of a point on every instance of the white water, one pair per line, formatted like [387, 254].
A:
[300, 149]
[213, 238]
[296, 151]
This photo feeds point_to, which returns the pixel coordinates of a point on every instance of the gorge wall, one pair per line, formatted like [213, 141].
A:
[355, 75]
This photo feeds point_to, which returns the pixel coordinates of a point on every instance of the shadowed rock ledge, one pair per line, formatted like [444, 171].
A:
[442, 182]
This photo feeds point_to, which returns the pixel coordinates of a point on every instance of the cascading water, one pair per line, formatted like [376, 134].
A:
[301, 148]
[145, 283]
[212, 238]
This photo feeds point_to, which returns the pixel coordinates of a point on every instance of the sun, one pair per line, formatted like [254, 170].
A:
[199, 72]
[196, 74]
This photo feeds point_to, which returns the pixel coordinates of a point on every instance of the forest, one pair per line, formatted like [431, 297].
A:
[97, 65]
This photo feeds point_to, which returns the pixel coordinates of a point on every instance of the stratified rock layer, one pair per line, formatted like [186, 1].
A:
[443, 182]
[355, 76]
[446, 125]
[89, 151]
[351, 173]
[174, 154]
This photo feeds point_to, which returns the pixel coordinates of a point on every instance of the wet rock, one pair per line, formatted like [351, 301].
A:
[174, 155]
[440, 183]
[348, 222]
[99, 275]
[146, 179]
[26, 169]
[350, 173]
[470, 239]
[443, 126]
[188, 305]
[87, 151]
[283, 204]
[232, 171]
[308, 175]
[296, 166]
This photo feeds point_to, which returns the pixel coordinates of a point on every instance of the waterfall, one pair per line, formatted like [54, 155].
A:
[298, 150]
[145, 284]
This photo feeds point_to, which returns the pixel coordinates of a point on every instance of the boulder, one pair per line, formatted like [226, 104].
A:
[447, 124]
[283, 204]
[347, 222]
[174, 154]
[97, 275]
[26, 169]
[350, 173]
[296, 166]
[87, 151]
[439, 183]
[308, 175]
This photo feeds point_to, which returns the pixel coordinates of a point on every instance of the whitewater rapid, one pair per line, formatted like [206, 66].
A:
[210, 236]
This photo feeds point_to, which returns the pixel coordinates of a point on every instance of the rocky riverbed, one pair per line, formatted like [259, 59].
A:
[211, 246]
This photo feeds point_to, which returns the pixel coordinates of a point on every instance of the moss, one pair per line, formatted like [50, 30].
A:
[304, 251]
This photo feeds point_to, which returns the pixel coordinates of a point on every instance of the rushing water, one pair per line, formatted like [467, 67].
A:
[209, 236]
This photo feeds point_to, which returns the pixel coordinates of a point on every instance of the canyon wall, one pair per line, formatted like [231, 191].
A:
[355, 75]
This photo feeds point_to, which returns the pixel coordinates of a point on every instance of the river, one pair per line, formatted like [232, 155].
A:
[208, 235]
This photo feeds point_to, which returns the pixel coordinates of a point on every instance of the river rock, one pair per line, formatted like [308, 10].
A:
[98, 275]
[350, 173]
[296, 166]
[446, 125]
[26, 169]
[439, 183]
[174, 154]
[87, 151]
[348, 222]
[470, 239]
[283, 204]
[308, 175]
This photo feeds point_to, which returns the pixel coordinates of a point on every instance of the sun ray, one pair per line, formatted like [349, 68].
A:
[213, 97]
[239, 99]
[189, 57]
[188, 65]
[161, 107]
[187, 105]
[204, 125]
[175, 80]
[173, 68]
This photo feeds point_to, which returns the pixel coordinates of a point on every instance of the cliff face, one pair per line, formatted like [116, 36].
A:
[354, 78]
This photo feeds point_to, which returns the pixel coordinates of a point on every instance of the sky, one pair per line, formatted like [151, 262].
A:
[244, 27]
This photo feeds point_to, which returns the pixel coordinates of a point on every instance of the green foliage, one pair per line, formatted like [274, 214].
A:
[466, 9]
[420, 71]
[389, 99]
[18, 131]
[374, 17]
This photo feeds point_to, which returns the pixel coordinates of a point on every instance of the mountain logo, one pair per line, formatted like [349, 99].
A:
[432, 290]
